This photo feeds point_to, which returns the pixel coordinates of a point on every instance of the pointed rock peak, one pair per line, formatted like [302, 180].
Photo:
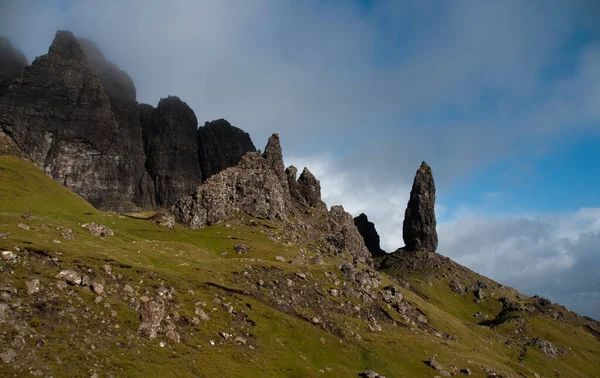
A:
[274, 155]
[369, 234]
[306, 175]
[419, 228]
[66, 45]
[291, 173]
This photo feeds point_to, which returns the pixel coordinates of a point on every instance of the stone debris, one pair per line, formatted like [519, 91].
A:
[241, 249]
[33, 286]
[98, 229]
[69, 276]
[23, 226]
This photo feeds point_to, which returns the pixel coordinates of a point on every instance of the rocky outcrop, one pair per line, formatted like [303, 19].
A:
[419, 228]
[369, 234]
[306, 190]
[220, 146]
[172, 150]
[12, 61]
[344, 235]
[253, 187]
[57, 112]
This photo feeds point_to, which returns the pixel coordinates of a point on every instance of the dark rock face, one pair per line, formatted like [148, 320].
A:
[419, 228]
[12, 61]
[57, 112]
[369, 234]
[221, 146]
[172, 150]
[120, 90]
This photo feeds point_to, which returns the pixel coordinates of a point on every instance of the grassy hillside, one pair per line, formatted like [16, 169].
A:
[258, 315]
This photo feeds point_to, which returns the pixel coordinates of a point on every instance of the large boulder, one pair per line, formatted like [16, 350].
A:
[369, 234]
[419, 228]
[221, 146]
[169, 134]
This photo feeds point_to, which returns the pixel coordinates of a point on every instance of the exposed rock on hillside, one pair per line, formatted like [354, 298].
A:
[344, 235]
[57, 112]
[253, 186]
[220, 146]
[12, 61]
[369, 234]
[172, 150]
[306, 190]
[419, 230]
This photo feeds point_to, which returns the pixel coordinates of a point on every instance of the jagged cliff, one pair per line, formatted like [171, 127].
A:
[75, 114]
[259, 186]
[220, 146]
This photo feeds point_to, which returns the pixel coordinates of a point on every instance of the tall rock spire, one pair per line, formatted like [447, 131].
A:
[418, 230]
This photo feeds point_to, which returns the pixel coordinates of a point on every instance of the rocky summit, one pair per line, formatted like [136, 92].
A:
[419, 227]
[236, 267]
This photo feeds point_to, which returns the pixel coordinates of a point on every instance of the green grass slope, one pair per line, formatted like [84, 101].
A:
[261, 311]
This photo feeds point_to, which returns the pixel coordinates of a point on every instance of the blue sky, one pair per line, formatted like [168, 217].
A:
[501, 98]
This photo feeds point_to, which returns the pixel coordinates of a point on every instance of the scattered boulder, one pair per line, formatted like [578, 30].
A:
[163, 220]
[280, 258]
[23, 226]
[419, 228]
[27, 216]
[33, 286]
[97, 288]
[369, 234]
[436, 365]
[151, 314]
[3, 236]
[8, 356]
[69, 276]
[457, 287]
[466, 371]
[371, 374]
[98, 229]
[241, 249]
[8, 256]
[545, 347]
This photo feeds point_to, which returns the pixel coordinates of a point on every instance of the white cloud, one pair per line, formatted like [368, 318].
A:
[552, 255]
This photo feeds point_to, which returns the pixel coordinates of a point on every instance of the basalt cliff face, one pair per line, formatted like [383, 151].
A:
[75, 114]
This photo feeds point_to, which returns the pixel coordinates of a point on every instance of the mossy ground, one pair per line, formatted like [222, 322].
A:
[193, 262]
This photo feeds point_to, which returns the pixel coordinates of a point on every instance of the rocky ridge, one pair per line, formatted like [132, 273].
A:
[259, 186]
[75, 114]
